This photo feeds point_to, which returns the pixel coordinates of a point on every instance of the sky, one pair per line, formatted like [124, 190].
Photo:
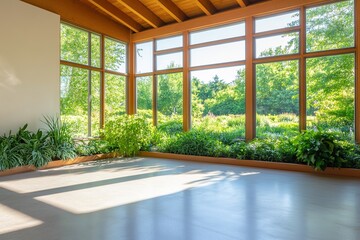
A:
[228, 52]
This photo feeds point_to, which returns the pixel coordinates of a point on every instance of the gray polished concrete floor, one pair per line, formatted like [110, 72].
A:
[155, 199]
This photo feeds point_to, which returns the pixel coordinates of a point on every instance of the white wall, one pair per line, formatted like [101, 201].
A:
[29, 65]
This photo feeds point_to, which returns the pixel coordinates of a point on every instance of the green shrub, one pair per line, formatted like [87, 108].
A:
[238, 150]
[286, 150]
[93, 146]
[171, 127]
[24, 148]
[34, 147]
[351, 154]
[10, 155]
[59, 135]
[228, 137]
[194, 142]
[319, 149]
[128, 134]
[262, 149]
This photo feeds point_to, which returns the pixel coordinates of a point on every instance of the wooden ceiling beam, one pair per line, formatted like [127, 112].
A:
[142, 11]
[116, 14]
[230, 16]
[206, 6]
[243, 3]
[173, 10]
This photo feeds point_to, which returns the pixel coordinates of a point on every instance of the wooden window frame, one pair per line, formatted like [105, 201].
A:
[248, 15]
[102, 72]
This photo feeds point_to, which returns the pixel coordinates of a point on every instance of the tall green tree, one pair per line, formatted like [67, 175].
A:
[170, 92]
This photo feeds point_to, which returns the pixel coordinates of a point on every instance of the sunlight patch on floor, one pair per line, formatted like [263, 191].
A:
[98, 198]
[12, 220]
[71, 178]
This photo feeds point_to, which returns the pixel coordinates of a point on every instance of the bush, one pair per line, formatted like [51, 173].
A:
[171, 127]
[351, 154]
[286, 148]
[194, 142]
[10, 155]
[319, 149]
[24, 148]
[93, 146]
[238, 150]
[128, 134]
[59, 135]
[34, 148]
[262, 149]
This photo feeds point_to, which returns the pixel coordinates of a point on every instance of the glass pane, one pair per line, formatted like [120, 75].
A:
[221, 53]
[330, 26]
[218, 101]
[170, 102]
[74, 99]
[168, 43]
[277, 45]
[330, 93]
[115, 98]
[277, 99]
[144, 96]
[95, 103]
[218, 33]
[144, 57]
[168, 61]
[95, 50]
[74, 45]
[285, 20]
[115, 55]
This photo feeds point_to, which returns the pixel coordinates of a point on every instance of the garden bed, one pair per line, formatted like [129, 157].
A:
[56, 163]
[345, 172]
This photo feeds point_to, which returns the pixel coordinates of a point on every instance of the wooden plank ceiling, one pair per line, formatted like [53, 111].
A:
[140, 15]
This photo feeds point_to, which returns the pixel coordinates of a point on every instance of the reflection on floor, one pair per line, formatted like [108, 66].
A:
[155, 199]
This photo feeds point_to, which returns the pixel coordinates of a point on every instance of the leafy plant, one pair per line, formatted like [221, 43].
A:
[128, 134]
[171, 127]
[60, 139]
[35, 149]
[238, 150]
[94, 146]
[262, 149]
[9, 154]
[194, 142]
[319, 149]
[24, 148]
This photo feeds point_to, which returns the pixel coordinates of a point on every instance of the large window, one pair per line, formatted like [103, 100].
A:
[163, 59]
[287, 43]
[144, 57]
[218, 100]
[277, 98]
[301, 74]
[330, 79]
[217, 78]
[115, 98]
[115, 55]
[84, 80]
[278, 21]
[330, 93]
[75, 45]
[74, 98]
[330, 26]
[227, 52]
[170, 102]
[218, 33]
[144, 97]
[169, 60]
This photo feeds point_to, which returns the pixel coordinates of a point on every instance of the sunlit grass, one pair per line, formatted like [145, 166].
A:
[224, 126]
